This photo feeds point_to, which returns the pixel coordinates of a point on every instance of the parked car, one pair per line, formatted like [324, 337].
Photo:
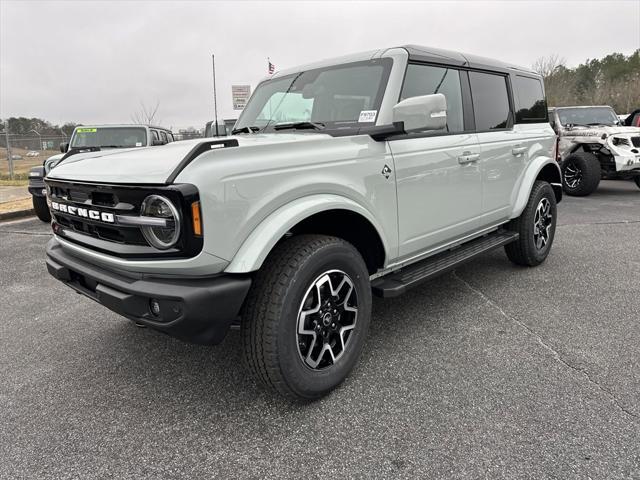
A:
[90, 138]
[633, 119]
[33, 153]
[223, 128]
[593, 145]
[366, 174]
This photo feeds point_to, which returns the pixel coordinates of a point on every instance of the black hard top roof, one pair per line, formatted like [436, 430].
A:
[436, 55]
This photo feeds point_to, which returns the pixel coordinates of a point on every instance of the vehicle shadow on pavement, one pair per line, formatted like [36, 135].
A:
[161, 369]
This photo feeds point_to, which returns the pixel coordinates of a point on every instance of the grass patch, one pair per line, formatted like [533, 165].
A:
[13, 183]
[16, 205]
[21, 182]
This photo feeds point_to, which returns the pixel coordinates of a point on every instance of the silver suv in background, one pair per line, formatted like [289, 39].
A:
[367, 174]
[92, 138]
[593, 144]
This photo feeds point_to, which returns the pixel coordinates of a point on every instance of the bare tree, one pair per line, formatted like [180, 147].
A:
[146, 115]
[547, 66]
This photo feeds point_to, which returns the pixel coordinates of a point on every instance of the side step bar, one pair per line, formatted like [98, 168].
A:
[398, 282]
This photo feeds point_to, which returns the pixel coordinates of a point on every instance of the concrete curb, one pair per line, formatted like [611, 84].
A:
[16, 214]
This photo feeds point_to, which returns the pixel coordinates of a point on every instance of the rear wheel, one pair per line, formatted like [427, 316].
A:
[41, 208]
[536, 226]
[637, 180]
[307, 316]
[580, 174]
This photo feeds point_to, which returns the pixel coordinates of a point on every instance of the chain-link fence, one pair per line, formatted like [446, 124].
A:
[20, 152]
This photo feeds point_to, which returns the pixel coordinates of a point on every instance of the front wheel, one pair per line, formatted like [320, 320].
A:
[306, 316]
[581, 174]
[536, 226]
[637, 180]
[41, 208]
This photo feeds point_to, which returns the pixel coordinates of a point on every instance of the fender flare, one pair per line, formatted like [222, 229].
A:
[530, 176]
[263, 238]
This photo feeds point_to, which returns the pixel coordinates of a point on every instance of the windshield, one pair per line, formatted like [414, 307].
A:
[341, 96]
[114, 137]
[587, 116]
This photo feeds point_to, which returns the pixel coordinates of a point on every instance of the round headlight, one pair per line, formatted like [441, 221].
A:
[165, 236]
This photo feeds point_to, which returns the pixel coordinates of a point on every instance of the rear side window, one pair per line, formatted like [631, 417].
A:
[426, 80]
[531, 106]
[490, 100]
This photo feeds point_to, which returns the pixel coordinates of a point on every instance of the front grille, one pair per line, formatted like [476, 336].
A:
[113, 238]
[636, 141]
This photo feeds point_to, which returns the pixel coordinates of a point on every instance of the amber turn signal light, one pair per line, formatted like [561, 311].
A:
[195, 215]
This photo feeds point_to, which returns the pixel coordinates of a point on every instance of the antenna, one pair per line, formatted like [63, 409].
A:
[215, 103]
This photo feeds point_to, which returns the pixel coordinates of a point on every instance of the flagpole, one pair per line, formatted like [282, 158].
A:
[215, 103]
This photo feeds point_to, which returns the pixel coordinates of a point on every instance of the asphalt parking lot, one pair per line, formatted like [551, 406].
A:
[492, 371]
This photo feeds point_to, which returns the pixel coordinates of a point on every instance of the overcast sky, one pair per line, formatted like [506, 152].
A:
[94, 62]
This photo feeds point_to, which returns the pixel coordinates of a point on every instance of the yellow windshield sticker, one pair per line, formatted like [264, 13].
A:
[87, 130]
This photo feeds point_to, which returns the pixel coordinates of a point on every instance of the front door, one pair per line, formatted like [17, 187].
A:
[438, 174]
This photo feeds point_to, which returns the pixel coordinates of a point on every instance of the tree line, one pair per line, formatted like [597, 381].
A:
[612, 80]
[27, 126]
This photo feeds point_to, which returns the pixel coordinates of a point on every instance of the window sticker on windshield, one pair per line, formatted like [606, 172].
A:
[87, 130]
[367, 116]
[138, 144]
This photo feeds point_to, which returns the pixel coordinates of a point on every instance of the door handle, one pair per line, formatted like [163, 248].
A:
[518, 150]
[468, 157]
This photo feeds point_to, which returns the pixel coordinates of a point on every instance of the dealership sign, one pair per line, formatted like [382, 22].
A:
[240, 95]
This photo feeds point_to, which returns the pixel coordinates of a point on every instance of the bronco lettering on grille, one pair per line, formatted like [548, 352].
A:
[83, 212]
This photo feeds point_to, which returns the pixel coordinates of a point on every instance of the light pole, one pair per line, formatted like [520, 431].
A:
[9, 156]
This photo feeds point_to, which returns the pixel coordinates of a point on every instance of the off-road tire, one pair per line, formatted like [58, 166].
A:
[637, 180]
[524, 250]
[41, 208]
[589, 167]
[270, 315]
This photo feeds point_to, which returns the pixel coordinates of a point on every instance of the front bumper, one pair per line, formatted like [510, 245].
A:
[37, 187]
[199, 310]
[627, 163]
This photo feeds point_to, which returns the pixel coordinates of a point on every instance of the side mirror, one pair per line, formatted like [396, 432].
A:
[427, 112]
[156, 142]
[64, 147]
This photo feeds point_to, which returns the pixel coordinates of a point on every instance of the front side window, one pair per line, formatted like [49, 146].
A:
[531, 106]
[342, 96]
[109, 137]
[490, 100]
[427, 80]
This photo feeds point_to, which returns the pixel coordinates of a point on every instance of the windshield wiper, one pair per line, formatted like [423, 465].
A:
[251, 129]
[299, 126]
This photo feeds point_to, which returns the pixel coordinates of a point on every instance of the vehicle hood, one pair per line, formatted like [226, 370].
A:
[596, 131]
[154, 165]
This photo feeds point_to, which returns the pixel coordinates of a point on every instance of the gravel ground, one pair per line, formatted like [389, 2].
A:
[492, 371]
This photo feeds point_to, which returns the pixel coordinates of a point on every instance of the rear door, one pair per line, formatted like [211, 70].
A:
[439, 185]
[503, 152]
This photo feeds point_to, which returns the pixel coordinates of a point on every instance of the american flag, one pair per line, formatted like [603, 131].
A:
[271, 68]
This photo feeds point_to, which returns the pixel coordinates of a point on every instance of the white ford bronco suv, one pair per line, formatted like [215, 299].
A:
[367, 174]
[92, 138]
[592, 145]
